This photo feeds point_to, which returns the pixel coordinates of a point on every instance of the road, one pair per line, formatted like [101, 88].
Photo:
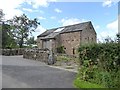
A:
[23, 73]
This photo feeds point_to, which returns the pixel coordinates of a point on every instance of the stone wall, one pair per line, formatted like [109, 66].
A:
[71, 41]
[42, 55]
[36, 54]
[11, 52]
[88, 35]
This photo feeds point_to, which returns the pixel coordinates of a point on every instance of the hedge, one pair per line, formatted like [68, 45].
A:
[100, 64]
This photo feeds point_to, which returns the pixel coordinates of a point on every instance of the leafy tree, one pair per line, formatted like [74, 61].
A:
[1, 15]
[108, 40]
[31, 41]
[7, 40]
[22, 27]
[118, 37]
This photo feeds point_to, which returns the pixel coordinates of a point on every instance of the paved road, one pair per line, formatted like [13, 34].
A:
[23, 73]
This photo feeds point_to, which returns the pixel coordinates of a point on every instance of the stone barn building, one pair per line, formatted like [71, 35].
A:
[71, 37]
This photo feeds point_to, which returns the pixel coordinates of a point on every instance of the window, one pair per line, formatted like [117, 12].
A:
[73, 51]
[90, 27]
[92, 39]
[88, 39]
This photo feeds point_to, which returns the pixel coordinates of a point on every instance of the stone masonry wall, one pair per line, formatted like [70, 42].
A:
[88, 35]
[70, 41]
[11, 52]
[36, 54]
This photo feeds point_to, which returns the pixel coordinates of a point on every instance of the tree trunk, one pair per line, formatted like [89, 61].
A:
[21, 43]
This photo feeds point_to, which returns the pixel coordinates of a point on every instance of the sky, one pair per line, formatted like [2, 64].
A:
[53, 13]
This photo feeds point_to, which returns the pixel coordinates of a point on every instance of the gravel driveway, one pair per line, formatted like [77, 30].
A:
[23, 73]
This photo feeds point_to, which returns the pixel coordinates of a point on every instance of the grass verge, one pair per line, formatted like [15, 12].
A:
[84, 84]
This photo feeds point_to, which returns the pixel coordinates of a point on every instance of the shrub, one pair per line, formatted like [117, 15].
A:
[100, 64]
[60, 49]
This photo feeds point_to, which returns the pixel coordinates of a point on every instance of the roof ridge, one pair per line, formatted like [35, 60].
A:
[69, 25]
[65, 28]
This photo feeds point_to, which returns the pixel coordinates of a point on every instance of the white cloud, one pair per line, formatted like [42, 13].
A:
[70, 21]
[12, 7]
[38, 3]
[40, 29]
[110, 30]
[113, 26]
[105, 34]
[57, 10]
[42, 12]
[27, 9]
[97, 27]
[107, 3]
[41, 18]
[53, 17]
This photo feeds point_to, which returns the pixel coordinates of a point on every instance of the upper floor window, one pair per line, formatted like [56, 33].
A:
[90, 27]
[88, 39]
[92, 39]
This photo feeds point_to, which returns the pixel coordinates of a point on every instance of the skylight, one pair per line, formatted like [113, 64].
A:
[59, 29]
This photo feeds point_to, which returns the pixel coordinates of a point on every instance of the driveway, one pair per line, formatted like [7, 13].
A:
[23, 73]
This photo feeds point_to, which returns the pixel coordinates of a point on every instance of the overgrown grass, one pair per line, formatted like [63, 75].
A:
[84, 84]
[63, 58]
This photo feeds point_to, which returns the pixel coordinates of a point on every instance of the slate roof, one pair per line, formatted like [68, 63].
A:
[47, 32]
[75, 27]
[66, 29]
[51, 36]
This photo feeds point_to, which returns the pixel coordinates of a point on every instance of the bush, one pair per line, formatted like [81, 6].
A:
[63, 58]
[100, 64]
[60, 49]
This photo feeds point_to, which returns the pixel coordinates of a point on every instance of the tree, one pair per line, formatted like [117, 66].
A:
[1, 15]
[109, 40]
[118, 37]
[22, 27]
[7, 41]
[31, 41]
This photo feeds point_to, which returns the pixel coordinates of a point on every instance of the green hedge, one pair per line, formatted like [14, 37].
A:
[100, 64]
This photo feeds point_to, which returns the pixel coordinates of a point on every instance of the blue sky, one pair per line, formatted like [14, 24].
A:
[104, 15]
